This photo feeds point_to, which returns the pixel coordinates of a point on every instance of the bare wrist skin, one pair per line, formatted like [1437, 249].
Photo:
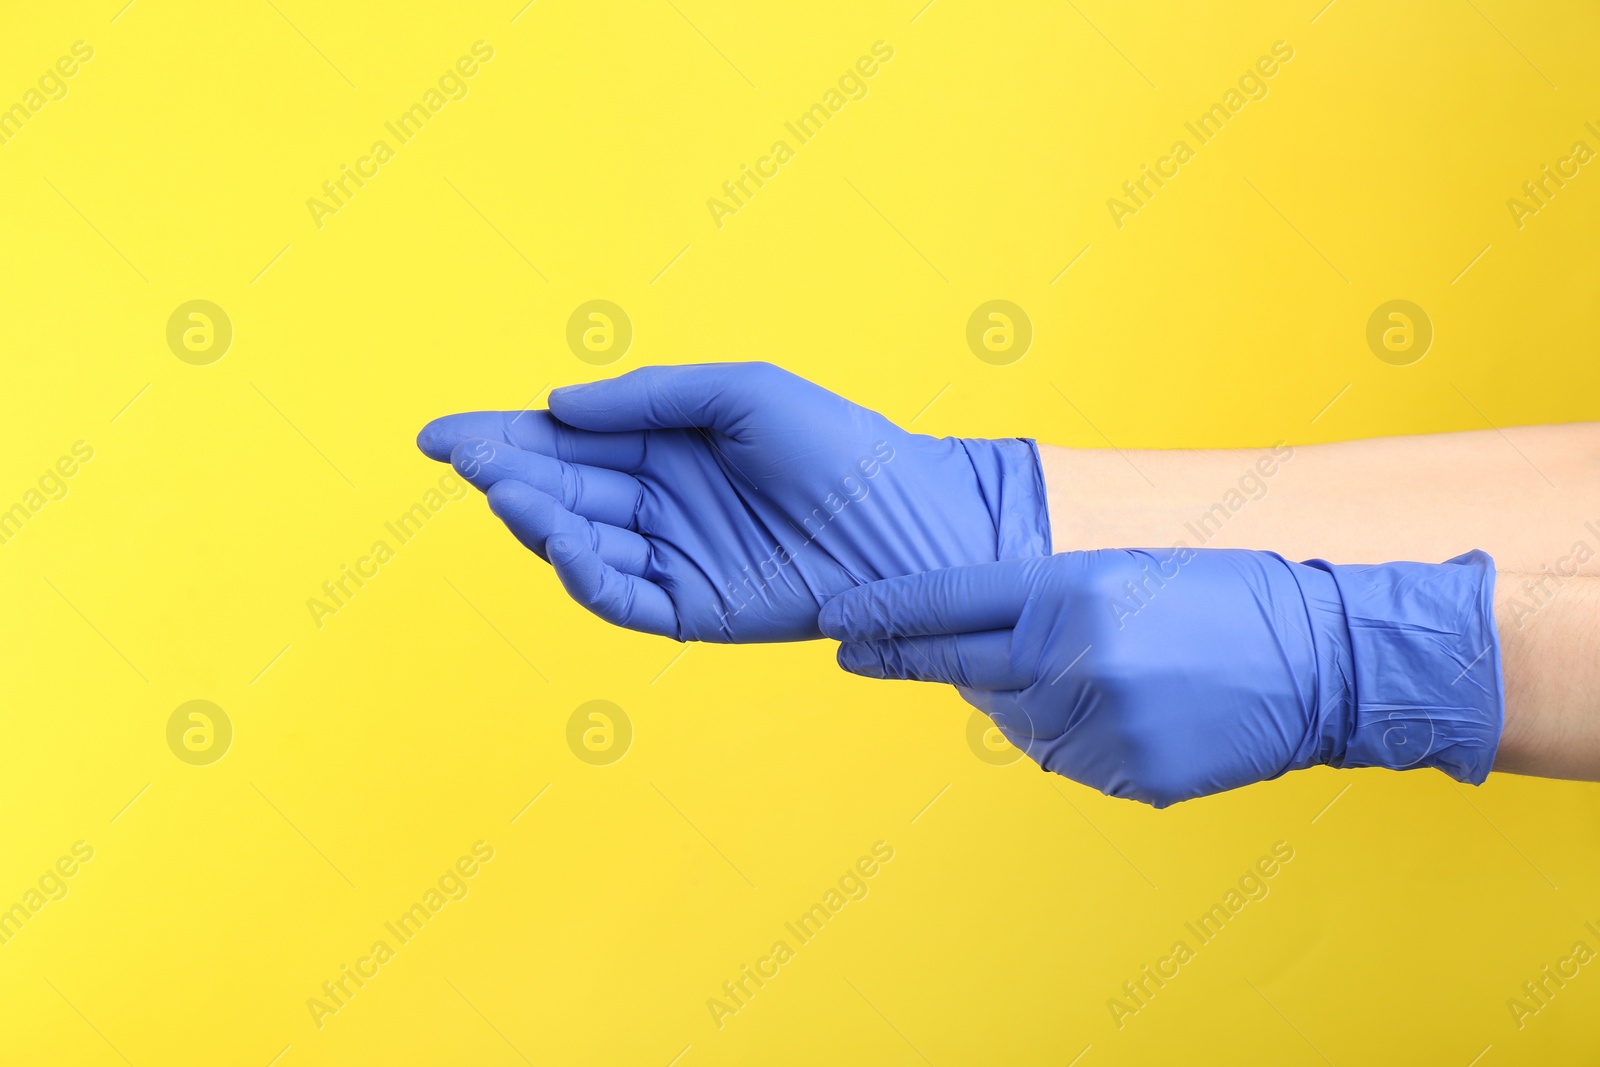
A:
[1529, 496]
[1519, 495]
[1550, 656]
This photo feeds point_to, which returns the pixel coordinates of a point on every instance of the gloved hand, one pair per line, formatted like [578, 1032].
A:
[727, 502]
[1162, 675]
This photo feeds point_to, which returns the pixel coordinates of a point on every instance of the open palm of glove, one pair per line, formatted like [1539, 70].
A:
[1162, 675]
[728, 502]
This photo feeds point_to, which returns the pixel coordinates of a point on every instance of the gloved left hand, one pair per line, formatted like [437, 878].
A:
[727, 502]
[1162, 675]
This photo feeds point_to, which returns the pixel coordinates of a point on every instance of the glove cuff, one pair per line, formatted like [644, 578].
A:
[1011, 479]
[1408, 664]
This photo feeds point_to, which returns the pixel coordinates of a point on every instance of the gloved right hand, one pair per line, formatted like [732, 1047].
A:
[1162, 675]
[727, 502]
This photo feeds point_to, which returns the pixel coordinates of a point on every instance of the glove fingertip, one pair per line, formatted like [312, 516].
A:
[433, 442]
[469, 456]
[563, 549]
[568, 403]
[831, 620]
[507, 497]
[859, 658]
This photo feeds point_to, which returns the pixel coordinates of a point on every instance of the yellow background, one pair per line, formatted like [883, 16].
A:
[370, 753]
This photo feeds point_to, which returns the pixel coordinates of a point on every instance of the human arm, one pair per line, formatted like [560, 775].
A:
[1526, 495]
[590, 486]
[1550, 651]
[1519, 494]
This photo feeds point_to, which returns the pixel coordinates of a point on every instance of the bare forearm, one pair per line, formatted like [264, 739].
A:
[1529, 496]
[1518, 494]
[1550, 655]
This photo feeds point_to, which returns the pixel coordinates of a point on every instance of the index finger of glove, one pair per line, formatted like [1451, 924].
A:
[975, 661]
[987, 596]
[533, 431]
[710, 396]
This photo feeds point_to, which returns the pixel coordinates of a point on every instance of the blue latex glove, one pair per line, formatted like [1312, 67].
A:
[1162, 675]
[728, 502]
